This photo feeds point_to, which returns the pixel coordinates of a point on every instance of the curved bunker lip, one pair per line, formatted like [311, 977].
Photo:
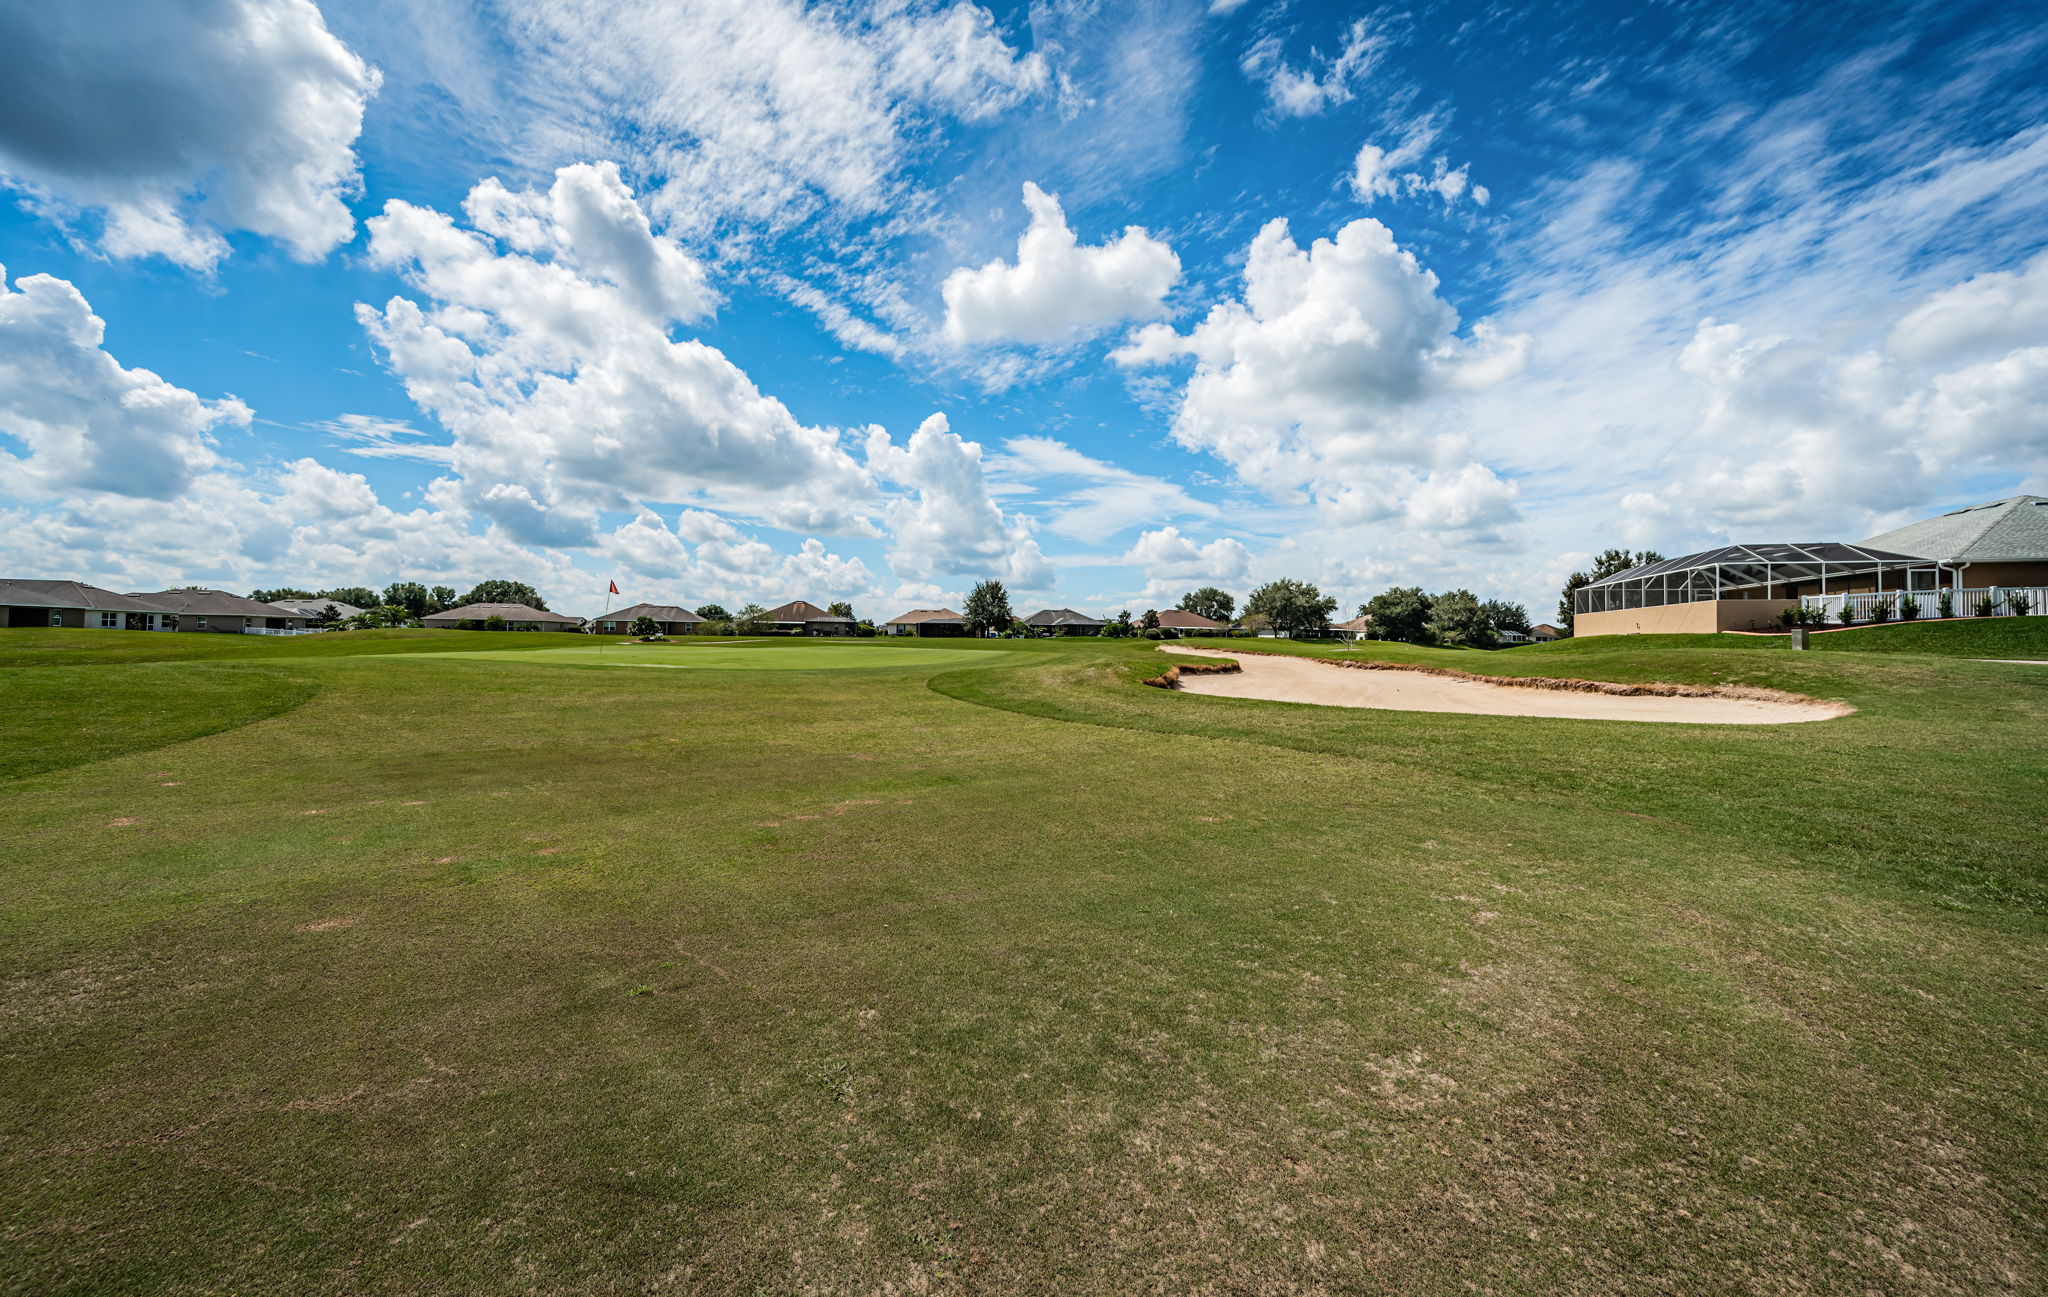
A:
[1394, 687]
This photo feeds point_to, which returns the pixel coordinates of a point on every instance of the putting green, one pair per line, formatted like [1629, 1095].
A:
[804, 657]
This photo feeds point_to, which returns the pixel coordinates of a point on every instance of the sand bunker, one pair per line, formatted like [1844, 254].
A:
[1290, 679]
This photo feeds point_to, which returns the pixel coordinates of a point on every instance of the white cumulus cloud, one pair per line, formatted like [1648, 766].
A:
[1327, 381]
[543, 346]
[949, 526]
[1324, 80]
[180, 121]
[1058, 290]
[91, 424]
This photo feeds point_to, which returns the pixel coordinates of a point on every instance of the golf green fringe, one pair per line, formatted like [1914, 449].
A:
[1170, 678]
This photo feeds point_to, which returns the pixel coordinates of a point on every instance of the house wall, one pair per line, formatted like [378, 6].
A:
[1980, 575]
[35, 615]
[1703, 618]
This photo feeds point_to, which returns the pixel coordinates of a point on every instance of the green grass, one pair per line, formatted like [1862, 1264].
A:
[778, 656]
[990, 971]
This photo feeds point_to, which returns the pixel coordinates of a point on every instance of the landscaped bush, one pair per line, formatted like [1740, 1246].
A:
[1909, 609]
[1986, 606]
[467, 623]
[1945, 605]
[1847, 615]
[2020, 602]
[1153, 632]
[1881, 611]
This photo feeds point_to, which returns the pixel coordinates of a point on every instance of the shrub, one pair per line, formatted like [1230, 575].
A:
[1153, 632]
[1945, 605]
[1881, 611]
[1986, 606]
[1847, 615]
[494, 622]
[467, 623]
[2020, 602]
[1790, 617]
[1909, 609]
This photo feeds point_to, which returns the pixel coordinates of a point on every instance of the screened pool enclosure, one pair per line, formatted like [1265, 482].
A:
[1784, 571]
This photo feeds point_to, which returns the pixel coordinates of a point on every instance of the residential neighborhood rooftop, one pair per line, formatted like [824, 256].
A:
[1177, 619]
[918, 616]
[658, 611]
[509, 611]
[2001, 531]
[802, 610]
[1062, 617]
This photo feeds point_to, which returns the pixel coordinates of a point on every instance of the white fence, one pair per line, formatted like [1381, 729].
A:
[2005, 602]
[272, 630]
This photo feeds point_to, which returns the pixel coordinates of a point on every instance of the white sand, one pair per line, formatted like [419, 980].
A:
[1305, 680]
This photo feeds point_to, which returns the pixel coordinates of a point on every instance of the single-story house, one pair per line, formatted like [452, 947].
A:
[1979, 546]
[1975, 552]
[1190, 623]
[1359, 627]
[27, 602]
[1064, 621]
[517, 617]
[1734, 587]
[218, 612]
[671, 619]
[927, 621]
[314, 609]
[1544, 632]
[800, 617]
[1511, 636]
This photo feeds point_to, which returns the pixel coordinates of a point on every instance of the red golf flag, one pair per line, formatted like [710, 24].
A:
[615, 587]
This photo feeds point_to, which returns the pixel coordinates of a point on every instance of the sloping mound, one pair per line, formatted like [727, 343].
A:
[1392, 686]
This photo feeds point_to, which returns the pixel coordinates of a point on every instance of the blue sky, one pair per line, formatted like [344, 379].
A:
[738, 301]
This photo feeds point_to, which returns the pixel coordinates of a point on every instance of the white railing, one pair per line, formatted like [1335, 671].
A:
[2005, 601]
[275, 630]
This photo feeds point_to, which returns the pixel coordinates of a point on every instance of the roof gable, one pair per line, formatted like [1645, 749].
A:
[658, 611]
[30, 593]
[1180, 619]
[918, 616]
[2013, 529]
[509, 611]
[802, 610]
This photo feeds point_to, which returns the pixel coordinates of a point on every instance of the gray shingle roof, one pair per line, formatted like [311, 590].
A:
[658, 611]
[509, 611]
[2001, 531]
[1062, 617]
[70, 594]
[313, 607]
[917, 616]
[212, 603]
[801, 610]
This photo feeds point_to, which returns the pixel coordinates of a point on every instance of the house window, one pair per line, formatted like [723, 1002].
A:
[56, 618]
[202, 623]
[611, 625]
[110, 621]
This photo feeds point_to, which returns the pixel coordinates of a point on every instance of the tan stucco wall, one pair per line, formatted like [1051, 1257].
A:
[1703, 618]
[1980, 575]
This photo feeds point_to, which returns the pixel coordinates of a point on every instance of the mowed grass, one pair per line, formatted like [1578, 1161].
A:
[999, 973]
[866, 655]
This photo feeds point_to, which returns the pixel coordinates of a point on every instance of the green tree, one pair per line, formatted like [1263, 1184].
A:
[494, 622]
[1210, 602]
[409, 595]
[1505, 616]
[282, 592]
[1293, 607]
[1605, 564]
[1456, 617]
[841, 609]
[505, 592]
[714, 612]
[988, 607]
[643, 626]
[1401, 613]
[360, 596]
[329, 615]
[440, 599]
[750, 620]
[1150, 621]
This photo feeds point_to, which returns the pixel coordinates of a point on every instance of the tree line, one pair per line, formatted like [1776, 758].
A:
[401, 602]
